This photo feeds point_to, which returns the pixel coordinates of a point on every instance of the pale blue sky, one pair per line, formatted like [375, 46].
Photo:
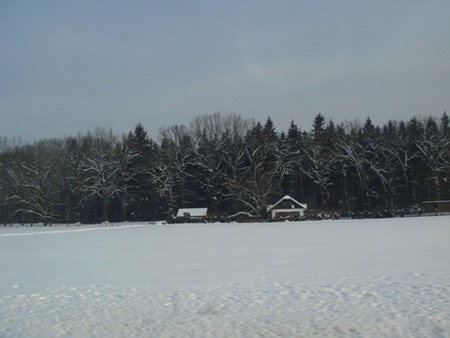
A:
[71, 66]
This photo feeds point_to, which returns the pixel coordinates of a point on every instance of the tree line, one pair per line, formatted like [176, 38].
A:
[226, 163]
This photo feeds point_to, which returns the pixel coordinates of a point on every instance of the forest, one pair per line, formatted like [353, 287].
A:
[227, 163]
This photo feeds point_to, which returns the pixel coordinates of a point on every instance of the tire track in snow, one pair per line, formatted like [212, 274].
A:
[52, 232]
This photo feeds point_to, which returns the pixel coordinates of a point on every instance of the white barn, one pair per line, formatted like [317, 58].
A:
[287, 208]
[194, 214]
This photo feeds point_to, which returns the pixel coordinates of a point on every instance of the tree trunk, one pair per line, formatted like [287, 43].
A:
[104, 208]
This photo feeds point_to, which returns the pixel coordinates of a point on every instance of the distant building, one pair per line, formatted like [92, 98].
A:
[287, 208]
[436, 206]
[192, 214]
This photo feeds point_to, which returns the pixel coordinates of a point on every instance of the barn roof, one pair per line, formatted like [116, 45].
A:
[192, 212]
[297, 204]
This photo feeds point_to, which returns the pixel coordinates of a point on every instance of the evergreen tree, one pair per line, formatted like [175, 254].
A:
[140, 154]
[318, 126]
[291, 173]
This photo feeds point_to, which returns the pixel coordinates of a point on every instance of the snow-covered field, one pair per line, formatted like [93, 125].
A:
[347, 278]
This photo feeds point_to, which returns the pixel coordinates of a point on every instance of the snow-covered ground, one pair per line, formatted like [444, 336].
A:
[347, 278]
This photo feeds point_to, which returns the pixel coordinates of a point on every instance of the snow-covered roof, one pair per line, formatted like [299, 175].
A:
[296, 203]
[192, 212]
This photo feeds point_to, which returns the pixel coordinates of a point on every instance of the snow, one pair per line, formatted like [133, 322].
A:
[340, 278]
[192, 212]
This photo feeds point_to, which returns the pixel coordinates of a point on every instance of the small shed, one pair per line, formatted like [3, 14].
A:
[436, 206]
[287, 208]
[192, 214]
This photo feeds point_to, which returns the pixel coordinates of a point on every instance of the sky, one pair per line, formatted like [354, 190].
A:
[71, 66]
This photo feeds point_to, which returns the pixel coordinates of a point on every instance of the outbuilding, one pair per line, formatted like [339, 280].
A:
[287, 208]
[192, 214]
[436, 206]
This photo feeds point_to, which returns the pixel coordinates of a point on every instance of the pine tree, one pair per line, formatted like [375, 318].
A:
[140, 158]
